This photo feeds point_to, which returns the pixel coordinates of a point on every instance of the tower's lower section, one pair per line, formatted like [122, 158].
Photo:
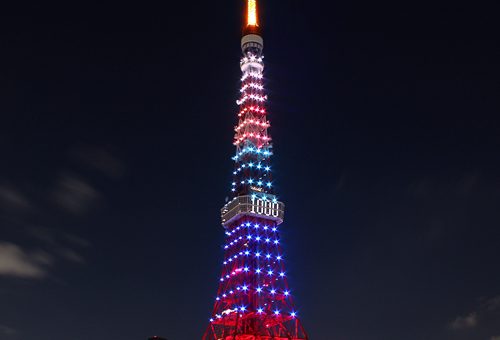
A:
[254, 301]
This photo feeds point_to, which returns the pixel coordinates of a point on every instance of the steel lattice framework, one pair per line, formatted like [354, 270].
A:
[254, 301]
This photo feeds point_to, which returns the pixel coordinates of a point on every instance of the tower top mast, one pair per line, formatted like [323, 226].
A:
[252, 16]
[252, 39]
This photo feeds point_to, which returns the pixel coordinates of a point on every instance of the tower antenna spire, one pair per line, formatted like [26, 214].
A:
[252, 14]
[252, 39]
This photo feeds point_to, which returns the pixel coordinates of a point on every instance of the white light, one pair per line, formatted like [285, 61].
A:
[259, 290]
[260, 311]
[282, 274]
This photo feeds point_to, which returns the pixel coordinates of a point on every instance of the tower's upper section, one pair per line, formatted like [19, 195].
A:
[252, 39]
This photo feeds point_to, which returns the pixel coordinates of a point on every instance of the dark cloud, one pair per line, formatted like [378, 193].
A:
[77, 240]
[10, 198]
[5, 330]
[99, 159]
[492, 304]
[484, 311]
[71, 255]
[16, 262]
[464, 322]
[75, 195]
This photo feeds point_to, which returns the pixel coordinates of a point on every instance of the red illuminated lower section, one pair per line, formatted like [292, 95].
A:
[254, 301]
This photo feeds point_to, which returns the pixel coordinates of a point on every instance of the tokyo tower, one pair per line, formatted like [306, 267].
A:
[253, 301]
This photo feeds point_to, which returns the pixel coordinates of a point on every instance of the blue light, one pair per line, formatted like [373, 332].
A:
[276, 242]
[270, 273]
[268, 256]
[259, 290]
[258, 270]
[257, 238]
[245, 288]
[268, 240]
[259, 183]
[274, 229]
[268, 168]
[257, 254]
[250, 181]
[278, 258]
[269, 184]
[286, 293]
[247, 253]
[260, 310]
[243, 308]
[246, 269]
[282, 274]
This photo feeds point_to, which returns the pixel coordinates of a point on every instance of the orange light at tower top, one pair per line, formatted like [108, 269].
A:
[252, 19]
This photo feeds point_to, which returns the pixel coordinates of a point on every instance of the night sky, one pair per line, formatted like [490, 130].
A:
[115, 159]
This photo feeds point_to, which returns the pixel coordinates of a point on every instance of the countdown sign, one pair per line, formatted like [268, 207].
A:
[252, 206]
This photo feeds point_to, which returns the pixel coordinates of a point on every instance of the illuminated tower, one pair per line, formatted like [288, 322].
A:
[253, 301]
